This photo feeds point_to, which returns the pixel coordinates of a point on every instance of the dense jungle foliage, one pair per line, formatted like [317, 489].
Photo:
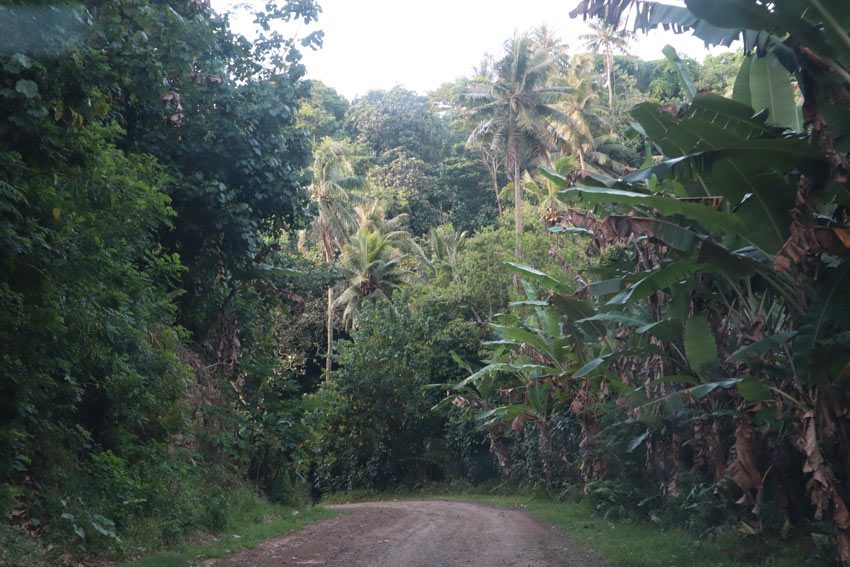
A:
[584, 273]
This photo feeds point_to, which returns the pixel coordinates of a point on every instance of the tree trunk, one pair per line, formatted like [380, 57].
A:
[517, 221]
[609, 70]
[328, 361]
[494, 176]
[327, 248]
[517, 210]
[581, 159]
[545, 446]
[500, 450]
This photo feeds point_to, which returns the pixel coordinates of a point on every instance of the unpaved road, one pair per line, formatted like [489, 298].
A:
[420, 533]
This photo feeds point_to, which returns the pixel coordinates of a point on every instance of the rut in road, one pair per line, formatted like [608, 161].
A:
[420, 533]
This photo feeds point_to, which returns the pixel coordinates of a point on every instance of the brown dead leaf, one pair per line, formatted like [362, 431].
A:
[808, 242]
[519, 422]
[744, 469]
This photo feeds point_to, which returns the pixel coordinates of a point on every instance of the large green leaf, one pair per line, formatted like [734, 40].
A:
[731, 114]
[575, 309]
[747, 353]
[505, 413]
[709, 122]
[605, 287]
[496, 368]
[770, 88]
[542, 278]
[753, 390]
[675, 402]
[708, 217]
[748, 14]
[781, 154]
[746, 173]
[537, 395]
[617, 317]
[717, 147]
[656, 125]
[700, 346]
[526, 337]
[741, 90]
[590, 367]
[828, 308]
[761, 235]
[673, 57]
[656, 280]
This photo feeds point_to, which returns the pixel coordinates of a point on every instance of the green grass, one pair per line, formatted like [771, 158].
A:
[244, 533]
[623, 543]
[636, 544]
[628, 544]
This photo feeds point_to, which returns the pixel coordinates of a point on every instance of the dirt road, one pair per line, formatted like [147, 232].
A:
[420, 533]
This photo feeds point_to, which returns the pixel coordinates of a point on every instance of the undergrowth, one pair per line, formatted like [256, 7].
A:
[205, 521]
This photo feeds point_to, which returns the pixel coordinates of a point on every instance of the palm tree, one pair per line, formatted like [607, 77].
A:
[606, 39]
[546, 193]
[586, 131]
[333, 177]
[483, 72]
[374, 217]
[547, 41]
[374, 262]
[517, 119]
[577, 134]
[445, 244]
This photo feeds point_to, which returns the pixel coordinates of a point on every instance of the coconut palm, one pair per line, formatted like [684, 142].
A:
[445, 244]
[606, 39]
[546, 40]
[586, 131]
[545, 192]
[377, 259]
[333, 177]
[374, 217]
[374, 268]
[518, 119]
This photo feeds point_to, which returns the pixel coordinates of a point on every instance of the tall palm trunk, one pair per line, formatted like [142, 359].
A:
[328, 250]
[609, 70]
[494, 177]
[328, 361]
[517, 221]
[517, 210]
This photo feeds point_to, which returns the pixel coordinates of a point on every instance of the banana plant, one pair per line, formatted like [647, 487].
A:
[723, 208]
[528, 374]
[768, 208]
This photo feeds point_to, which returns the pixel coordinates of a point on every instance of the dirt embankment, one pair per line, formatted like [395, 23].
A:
[420, 533]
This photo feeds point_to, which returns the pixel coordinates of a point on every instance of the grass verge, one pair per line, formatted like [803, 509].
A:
[243, 533]
[627, 543]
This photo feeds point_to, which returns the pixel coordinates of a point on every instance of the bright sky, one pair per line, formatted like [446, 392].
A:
[420, 44]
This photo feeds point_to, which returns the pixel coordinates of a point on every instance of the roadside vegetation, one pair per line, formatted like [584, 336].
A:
[620, 285]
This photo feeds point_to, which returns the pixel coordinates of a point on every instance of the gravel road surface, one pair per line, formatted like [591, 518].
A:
[420, 533]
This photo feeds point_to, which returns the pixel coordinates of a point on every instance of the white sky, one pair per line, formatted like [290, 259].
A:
[420, 44]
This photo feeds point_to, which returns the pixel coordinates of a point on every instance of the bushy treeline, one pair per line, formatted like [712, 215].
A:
[216, 274]
[150, 168]
[371, 424]
[697, 377]
[690, 369]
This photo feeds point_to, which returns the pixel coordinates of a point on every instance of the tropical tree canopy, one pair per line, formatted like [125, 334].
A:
[517, 117]
[616, 286]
